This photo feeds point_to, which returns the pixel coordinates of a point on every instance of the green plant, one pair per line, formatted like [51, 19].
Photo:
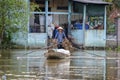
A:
[108, 48]
[34, 6]
[118, 49]
[117, 3]
[110, 27]
[14, 17]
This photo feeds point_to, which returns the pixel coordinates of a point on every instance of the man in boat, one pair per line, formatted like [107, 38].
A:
[59, 37]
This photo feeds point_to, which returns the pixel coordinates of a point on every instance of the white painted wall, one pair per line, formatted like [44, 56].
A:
[78, 36]
[37, 40]
[95, 38]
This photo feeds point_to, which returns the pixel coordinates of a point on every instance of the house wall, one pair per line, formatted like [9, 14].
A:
[95, 38]
[20, 38]
[90, 38]
[78, 36]
[37, 40]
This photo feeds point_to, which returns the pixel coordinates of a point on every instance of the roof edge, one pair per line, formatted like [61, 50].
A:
[93, 2]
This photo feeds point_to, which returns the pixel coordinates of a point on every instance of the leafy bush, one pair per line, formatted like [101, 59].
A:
[13, 18]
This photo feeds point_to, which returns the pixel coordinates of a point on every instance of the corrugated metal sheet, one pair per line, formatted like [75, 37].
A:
[93, 2]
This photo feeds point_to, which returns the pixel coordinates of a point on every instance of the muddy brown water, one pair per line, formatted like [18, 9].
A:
[82, 65]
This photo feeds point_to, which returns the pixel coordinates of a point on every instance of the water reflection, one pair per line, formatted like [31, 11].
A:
[82, 65]
[89, 66]
[113, 66]
[57, 69]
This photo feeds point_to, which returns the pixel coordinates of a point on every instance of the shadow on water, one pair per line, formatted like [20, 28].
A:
[82, 65]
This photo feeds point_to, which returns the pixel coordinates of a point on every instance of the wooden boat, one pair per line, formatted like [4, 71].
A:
[57, 54]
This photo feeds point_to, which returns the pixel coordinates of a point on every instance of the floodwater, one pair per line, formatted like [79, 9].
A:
[82, 65]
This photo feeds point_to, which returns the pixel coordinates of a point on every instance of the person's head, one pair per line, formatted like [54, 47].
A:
[56, 26]
[60, 29]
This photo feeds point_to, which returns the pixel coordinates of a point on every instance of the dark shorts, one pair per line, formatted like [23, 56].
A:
[60, 46]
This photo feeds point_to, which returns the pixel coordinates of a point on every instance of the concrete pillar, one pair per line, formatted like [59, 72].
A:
[46, 15]
[105, 23]
[69, 15]
[84, 21]
[118, 31]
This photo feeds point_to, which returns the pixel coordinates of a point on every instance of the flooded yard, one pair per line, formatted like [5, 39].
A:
[82, 65]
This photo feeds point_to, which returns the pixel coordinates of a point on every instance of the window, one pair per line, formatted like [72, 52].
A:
[37, 23]
[95, 16]
[57, 13]
[96, 22]
[37, 20]
[76, 21]
[58, 20]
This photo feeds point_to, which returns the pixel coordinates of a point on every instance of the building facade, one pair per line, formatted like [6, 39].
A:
[85, 20]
